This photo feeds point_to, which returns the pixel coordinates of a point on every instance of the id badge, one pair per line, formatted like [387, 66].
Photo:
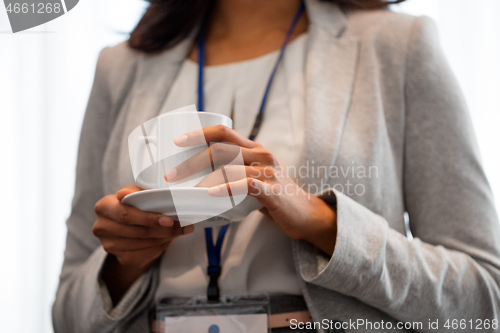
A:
[247, 313]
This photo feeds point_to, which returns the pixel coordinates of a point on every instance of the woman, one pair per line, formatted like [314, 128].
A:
[364, 94]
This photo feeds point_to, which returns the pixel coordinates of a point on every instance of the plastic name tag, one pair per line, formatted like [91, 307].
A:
[251, 323]
[246, 313]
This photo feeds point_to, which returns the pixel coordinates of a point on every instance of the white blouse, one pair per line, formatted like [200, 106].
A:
[256, 254]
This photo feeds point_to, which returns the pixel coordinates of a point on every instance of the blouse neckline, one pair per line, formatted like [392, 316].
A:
[261, 58]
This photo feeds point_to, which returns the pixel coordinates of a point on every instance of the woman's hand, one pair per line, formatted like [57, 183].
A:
[297, 213]
[133, 238]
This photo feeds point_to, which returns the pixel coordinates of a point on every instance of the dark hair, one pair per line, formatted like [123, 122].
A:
[167, 22]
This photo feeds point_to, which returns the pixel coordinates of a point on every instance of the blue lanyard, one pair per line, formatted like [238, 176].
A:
[214, 251]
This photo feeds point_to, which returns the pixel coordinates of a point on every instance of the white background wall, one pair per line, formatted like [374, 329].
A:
[45, 79]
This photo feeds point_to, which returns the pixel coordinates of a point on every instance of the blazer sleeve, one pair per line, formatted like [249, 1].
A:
[451, 268]
[82, 302]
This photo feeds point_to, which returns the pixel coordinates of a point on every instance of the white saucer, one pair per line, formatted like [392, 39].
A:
[193, 205]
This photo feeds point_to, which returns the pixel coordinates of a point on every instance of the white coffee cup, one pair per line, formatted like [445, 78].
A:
[153, 152]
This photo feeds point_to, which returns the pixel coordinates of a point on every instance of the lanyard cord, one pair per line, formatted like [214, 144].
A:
[260, 115]
[214, 251]
[214, 267]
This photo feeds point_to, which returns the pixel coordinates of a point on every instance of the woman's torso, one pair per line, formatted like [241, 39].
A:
[353, 120]
[256, 255]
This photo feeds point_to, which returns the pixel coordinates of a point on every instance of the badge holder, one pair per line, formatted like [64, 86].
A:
[235, 313]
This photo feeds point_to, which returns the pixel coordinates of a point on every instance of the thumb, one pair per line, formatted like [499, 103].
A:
[126, 190]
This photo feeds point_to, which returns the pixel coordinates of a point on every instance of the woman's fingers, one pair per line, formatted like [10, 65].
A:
[262, 191]
[105, 227]
[111, 208]
[219, 154]
[218, 133]
[126, 190]
[233, 173]
[226, 174]
[133, 236]
[116, 244]
[239, 187]
[229, 147]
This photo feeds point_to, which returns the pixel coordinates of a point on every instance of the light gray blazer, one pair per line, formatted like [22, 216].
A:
[379, 93]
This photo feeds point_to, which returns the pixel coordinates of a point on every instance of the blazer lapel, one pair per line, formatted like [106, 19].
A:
[330, 69]
[155, 75]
